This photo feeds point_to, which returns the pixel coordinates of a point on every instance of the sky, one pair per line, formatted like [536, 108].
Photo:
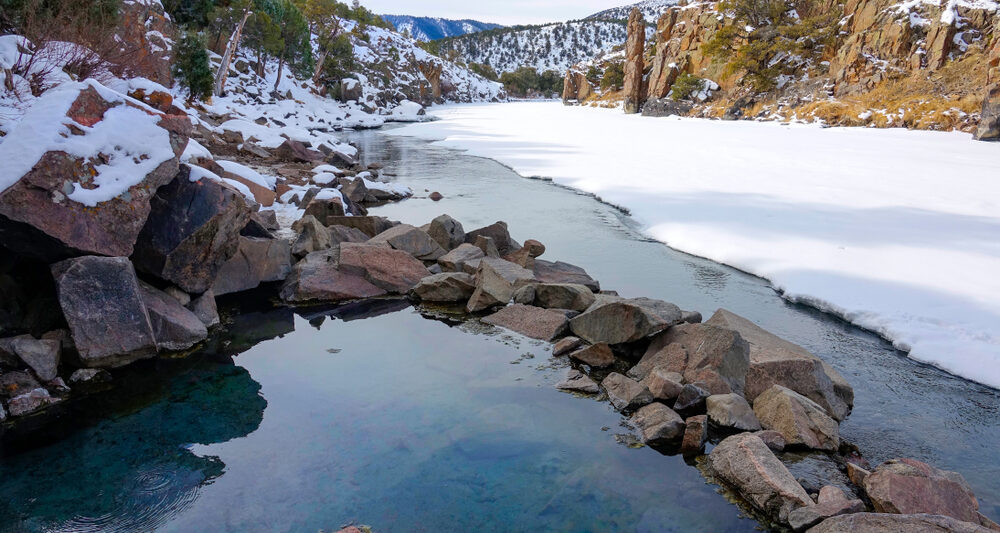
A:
[505, 12]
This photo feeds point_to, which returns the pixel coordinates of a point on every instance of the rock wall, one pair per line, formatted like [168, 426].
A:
[575, 87]
[147, 35]
[989, 124]
[635, 48]
[680, 33]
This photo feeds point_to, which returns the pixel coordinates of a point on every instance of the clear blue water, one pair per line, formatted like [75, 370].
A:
[377, 415]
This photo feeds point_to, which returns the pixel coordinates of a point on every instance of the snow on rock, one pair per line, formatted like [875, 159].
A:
[198, 173]
[408, 111]
[894, 230]
[248, 173]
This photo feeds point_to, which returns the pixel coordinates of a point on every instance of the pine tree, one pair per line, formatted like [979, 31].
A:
[191, 67]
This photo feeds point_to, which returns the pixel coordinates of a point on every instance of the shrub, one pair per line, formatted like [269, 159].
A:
[191, 67]
[614, 76]
[686, 87]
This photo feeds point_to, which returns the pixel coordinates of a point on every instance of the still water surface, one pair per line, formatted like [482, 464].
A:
[407, 423]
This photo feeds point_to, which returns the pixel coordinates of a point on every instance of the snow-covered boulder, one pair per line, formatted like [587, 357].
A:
[79, 170]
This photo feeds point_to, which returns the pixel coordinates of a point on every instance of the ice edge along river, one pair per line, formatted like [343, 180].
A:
[896, 231]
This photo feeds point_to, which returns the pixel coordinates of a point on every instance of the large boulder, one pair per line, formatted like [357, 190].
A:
[323, 208]
[563, 296]
[498, 232]
[496, 281]
[295, 151]
[103, 305]
[316, 278]
[623, 321]
[370, 225]
[174, 327]
[775, 361]
[745, 463]
[658, 424]
[908, 486]
[447, 232]
[80, 181]
[311, 236]
[560, 272]
[801, 421]
[464, 255]
[393, 271]
[530, 321]
[624, 393]
[731, 411]
[192, 230]
[256, 261]
[717, 357]
[445, 287]
[894, 523]
[411, 240]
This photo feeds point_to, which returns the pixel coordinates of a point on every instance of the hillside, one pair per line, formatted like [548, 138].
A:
[431, 28]
[650, 9]
[544, 47]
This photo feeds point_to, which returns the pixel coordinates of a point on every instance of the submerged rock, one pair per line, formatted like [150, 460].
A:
[530, 321]
[103, 305]
[801, 421]
[744, 462]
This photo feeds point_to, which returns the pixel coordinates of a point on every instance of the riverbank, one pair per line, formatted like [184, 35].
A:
[859, 223]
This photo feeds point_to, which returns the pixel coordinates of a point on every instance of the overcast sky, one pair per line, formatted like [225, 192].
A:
[500, 11]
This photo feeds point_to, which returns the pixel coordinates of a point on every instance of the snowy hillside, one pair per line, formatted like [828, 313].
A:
[547, 47]
[651, 10]
[431, 28]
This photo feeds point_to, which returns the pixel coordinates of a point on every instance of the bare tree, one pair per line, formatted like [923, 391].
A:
[227, 57]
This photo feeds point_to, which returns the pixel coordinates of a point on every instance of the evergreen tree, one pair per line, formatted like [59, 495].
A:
[191, 67]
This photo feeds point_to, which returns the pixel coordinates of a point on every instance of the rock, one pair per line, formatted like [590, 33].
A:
[103, 306]
[498, 232]
[17, 383]
[775, 361]
[530, 321]
[371, 226]
[30, 402]
[635, 51]
[295, 151]
[625, 320]
[256, 261]
[526, 255]
[204, 308]
[316, 278]
[559, 272]
[341, 234]
[496, 281]
[38, 219]
[596, 355]
[893, 523]
[691, 317]
[805, 517]
[312, 236]
[626, 394]
[695, 434]
[455, 260]
[908, 486]
[744, 462]
[989, 123]
[354, 189]
[41, 355]
[664, 385]
[488, 247]
[182, 297]
[715, 356]
[772, 439]
[411, 240]
[268, 219]
[174, 327]
[665, 107]
[575, 87]
[89, 376]
[525, 295]
[192, 229]
[731, 411]
[577, 381]
[323, 208]
[393, 271]
[691, 400]
[658, 424]
[445, 287]
[435, 196]
[447, 232]
[801, 421]
[566, 345]
[857, 474]
[562, 295]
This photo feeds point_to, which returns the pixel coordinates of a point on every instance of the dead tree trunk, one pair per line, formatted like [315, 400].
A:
[234, 42]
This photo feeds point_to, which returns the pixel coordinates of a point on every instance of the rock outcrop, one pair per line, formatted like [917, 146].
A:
[576, 88]
[635, 50]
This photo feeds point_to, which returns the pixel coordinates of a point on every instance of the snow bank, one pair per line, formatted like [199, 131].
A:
[131, 140]
[897, 231]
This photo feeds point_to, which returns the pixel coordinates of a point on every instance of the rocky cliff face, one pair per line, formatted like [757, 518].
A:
[634, 64]
[889, 63]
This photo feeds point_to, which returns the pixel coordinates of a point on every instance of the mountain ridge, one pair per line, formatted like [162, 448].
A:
[432, 28]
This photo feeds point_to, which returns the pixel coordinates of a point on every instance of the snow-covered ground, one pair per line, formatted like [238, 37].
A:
[897, 231]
